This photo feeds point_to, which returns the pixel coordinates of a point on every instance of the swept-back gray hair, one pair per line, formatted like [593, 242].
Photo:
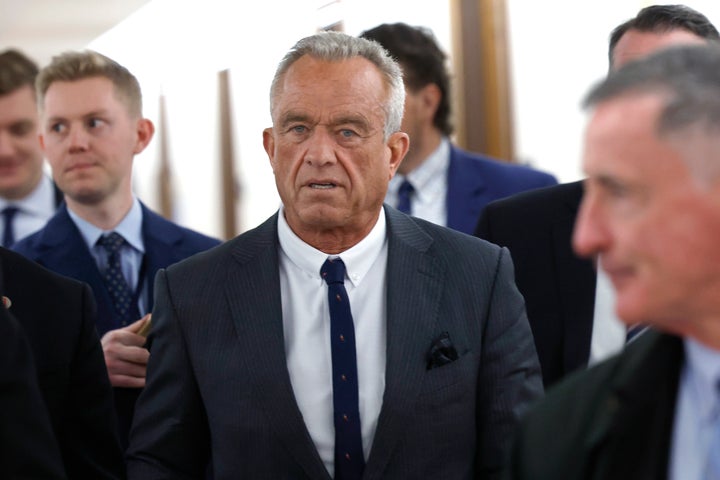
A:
[335, 47]
[688, 78]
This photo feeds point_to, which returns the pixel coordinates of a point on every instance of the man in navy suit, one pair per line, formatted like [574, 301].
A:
[573, 322]
[651, 209]
[91, 129]
[249, 376]
[443, 183]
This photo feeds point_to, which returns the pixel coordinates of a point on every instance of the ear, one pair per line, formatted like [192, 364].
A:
[269, 145]
[145, 131]
[398, 143]
[430, 96]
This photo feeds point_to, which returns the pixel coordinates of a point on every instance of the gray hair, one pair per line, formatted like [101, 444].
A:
[335, 47]
[687, 77]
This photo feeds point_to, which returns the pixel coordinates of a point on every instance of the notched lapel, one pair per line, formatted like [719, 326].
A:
[257, 316]
[414, 289]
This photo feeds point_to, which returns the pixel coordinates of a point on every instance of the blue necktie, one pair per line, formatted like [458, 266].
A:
[120, 293]
[712, 464]
[349, 460]
[404, 193]
[8, 215]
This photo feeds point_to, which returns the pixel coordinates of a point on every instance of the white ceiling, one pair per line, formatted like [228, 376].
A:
[43, 28]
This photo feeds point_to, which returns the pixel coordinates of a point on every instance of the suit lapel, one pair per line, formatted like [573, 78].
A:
[631, 435]
[257, 315]
[414, 288]
[462, 193]
[62, 249]
[160, 238]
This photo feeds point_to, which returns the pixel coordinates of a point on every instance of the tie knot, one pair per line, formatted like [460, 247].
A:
[333, 271]
[111, 242]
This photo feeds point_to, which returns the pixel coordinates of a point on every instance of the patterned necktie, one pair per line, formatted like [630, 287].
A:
[349, 460]
[118, 288]
[712, 464]
[404, 193]
[8, 214]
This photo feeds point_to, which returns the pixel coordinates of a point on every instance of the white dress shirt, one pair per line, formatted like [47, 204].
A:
[131, 254]
[430, 182]
[608, 331]
[306, 324]
[695, 412]
[33, 211]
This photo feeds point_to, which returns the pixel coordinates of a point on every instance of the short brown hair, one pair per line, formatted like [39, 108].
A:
[71, 66]
[16, 71]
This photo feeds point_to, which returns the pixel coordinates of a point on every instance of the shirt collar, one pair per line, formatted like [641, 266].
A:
[130, 227]
[703, 368]
[358, 260]
[37, 201]
[434, 165]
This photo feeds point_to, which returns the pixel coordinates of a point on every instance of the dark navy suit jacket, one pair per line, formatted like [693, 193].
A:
[612, 421]
[475, 180]
[218, 388]
[558, 286]
[60, 247]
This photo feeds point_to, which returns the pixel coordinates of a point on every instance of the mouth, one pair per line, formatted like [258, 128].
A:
[322, 186]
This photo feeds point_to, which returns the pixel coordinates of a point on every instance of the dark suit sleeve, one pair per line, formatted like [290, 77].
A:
[28, 448]
[170, 437]
[509, 377]
[89, 438]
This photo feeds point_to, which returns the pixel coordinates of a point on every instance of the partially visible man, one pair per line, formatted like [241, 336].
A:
[57, 316]
[340, 338]
[91, 129]
[28, 447]
[570, 301]
[28, 197]
[651, 209]
[437, 180]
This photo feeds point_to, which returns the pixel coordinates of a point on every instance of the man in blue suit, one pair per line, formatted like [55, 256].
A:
[91, 129]
[437, 180]
[341, 338]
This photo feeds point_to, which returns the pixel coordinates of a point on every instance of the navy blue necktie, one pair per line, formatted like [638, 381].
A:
[404, 193]
[349, 460]
[8, 215]
[120, 292]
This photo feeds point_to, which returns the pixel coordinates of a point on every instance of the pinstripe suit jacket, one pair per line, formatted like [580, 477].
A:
[219, 392]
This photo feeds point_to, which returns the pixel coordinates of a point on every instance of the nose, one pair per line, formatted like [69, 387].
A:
[78, 140]
[320, 148]
[591, 235]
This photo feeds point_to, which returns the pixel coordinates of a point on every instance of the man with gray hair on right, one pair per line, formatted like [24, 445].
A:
[652, 210]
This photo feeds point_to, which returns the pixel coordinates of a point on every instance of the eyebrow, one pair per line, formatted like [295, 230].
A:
[94, 113]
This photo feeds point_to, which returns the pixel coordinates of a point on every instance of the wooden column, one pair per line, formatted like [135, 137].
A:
[229, 186]
[482, 90]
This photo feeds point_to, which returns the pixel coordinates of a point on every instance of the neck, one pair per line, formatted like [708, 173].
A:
[106, 214]
[421, 147]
